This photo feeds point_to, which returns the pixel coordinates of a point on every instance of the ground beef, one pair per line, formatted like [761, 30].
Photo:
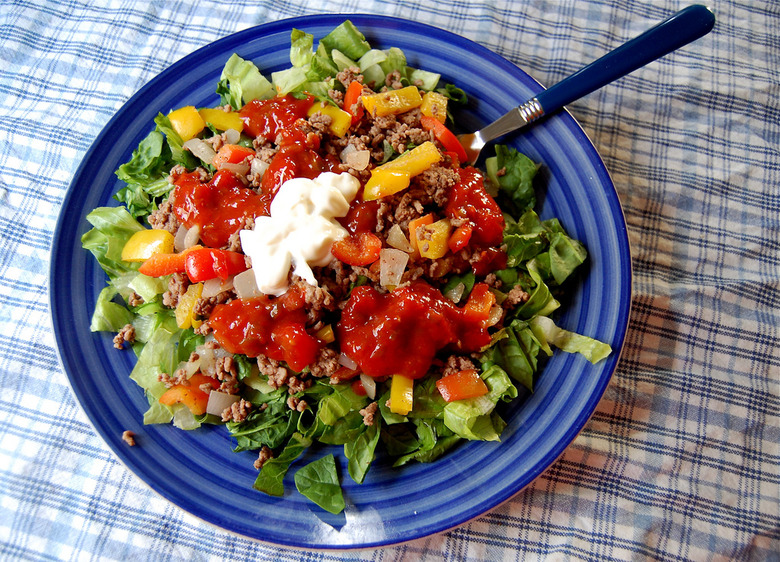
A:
[225, 367]
[326, 364]
[164, 218]
[295, 403]
[128, 437]
[457, 363]
[126, 334]
[369, 412]
[515, 296]
[320, 122]
[265, 454]
[204, 307]
[177, 286]
[179, 378]
[349, 75]
[393, 80]
[298, 383]
[276, 373]
[436, 182]
[237, 412]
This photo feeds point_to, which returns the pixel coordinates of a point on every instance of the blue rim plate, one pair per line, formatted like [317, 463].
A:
[197, 470]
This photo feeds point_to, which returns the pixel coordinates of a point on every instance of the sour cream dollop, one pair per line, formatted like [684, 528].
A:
[300, 229]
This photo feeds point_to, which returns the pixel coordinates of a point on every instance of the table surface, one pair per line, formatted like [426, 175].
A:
[680, 460]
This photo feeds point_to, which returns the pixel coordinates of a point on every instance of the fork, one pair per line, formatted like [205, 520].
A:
[678, 30]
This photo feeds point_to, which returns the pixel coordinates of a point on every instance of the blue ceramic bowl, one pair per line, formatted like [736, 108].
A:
[197, 470]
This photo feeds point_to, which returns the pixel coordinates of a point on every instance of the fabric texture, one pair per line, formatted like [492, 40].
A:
[681, 460]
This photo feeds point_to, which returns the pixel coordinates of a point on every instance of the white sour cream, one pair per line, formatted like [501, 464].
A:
[300, 230]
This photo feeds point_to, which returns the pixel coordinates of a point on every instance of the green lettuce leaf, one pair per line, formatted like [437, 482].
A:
[270, 479]
[513, 172]
[347, 39]
[471, 419]
[546, 330]
[319, 481]
[242, 82]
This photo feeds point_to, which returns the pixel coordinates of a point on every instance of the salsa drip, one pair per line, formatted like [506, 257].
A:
[400, 332]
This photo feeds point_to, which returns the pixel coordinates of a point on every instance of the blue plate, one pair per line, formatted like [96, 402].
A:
[197, 470]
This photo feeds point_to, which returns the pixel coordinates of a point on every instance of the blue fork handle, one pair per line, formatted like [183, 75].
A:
[680, 29]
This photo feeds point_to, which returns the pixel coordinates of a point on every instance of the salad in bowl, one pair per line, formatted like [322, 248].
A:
[311, 263]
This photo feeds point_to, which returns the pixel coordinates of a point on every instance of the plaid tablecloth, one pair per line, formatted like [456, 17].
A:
[681, 460]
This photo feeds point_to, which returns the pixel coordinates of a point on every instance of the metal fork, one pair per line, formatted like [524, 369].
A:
[685, 26]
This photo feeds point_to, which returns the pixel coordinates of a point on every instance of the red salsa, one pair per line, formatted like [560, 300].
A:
[274, 327]
[219, 207]
[400, 332]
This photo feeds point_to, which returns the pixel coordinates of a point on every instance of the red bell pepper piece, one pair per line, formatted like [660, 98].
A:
[207, 263]
[231, 154]
[361, 248]
[460, 238]
[446, 137]
[481, 300]
[352, 103]
[461, 385]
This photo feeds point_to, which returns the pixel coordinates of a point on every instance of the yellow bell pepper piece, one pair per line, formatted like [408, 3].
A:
[434, 105]
[394, 176]
[340, 119]
[392, 102]
[145, 243]
[325, 334]
[417, 160]
[186, 121]
[432, 239]
[401, 394]
[185, 308]
[384, 182]
[222, 120]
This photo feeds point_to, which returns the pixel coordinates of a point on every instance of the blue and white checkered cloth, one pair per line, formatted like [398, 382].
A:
[681, 460]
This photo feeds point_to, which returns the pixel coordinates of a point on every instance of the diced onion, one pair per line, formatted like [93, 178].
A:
[200, 149]
[369, 384]
[398, 240]
[358, 159]
[258, 167]
[220, 401]
[192, 367]
[392, 264]
[495, 315]
[192, 236]
[347, 361]
[456, 293]
[208, 362]
[213, 287]
[245, 285]
[232, 136]
[178, 238]
[241, 169]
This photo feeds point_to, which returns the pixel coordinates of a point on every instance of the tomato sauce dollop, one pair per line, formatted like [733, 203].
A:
[274, 327]
[469, 200]
[219, 207]
[401, 332]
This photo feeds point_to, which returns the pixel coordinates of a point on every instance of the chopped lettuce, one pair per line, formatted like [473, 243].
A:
[242, 82]
[546, 330]
[348, 40]
[513, 173]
